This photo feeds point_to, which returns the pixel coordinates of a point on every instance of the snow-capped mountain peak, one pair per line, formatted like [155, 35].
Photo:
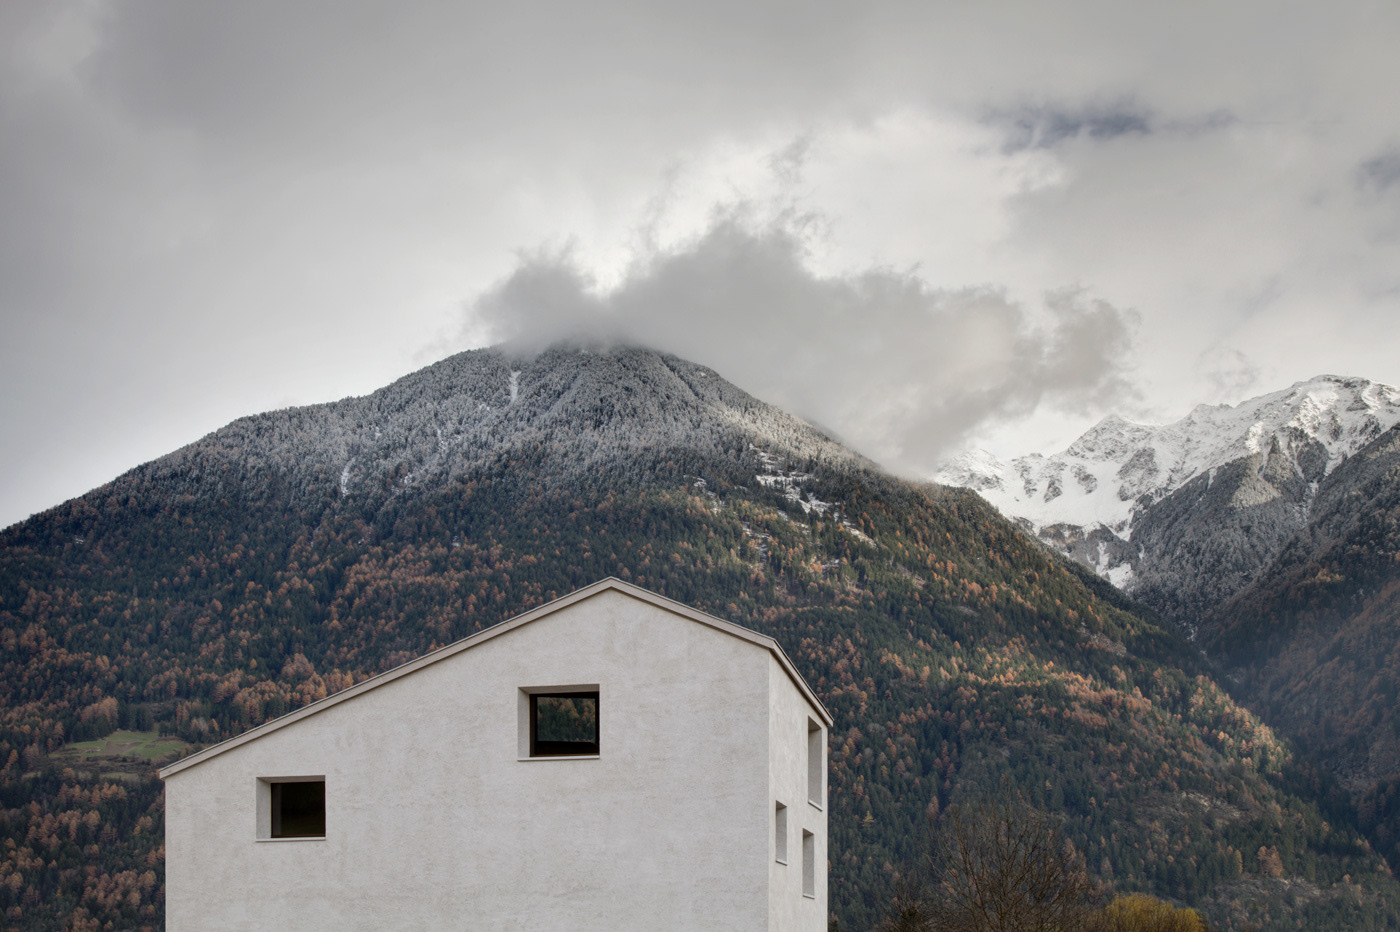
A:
[1108, 438]
[1111, 475]
[974, 469]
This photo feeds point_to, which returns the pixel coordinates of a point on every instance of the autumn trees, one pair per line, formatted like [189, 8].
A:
[1141, 913]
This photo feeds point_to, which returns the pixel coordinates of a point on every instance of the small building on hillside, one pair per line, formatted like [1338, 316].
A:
[611, 761]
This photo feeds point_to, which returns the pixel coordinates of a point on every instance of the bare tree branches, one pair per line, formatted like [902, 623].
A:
[997, 865]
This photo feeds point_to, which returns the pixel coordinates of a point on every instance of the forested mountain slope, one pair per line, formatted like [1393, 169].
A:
[294, 553]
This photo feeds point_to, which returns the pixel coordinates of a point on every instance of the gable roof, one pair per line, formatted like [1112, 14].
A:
[504, 627]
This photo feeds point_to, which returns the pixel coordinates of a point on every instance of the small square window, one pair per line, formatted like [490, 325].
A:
[298, 809]
[564, 724]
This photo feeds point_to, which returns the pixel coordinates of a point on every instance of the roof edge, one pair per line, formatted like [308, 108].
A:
[486, 634]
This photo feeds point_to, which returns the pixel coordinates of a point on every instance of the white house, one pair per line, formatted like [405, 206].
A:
[610, 761]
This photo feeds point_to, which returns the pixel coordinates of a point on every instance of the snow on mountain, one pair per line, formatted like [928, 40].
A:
[567, 412]
[1087, 499]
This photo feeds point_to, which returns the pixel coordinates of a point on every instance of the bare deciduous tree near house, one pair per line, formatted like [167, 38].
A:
[997, 865]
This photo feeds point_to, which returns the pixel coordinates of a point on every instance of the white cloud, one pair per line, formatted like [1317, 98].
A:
[899, 368]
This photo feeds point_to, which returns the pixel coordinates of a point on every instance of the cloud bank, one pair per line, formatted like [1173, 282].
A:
[214, 208]
[900, 369]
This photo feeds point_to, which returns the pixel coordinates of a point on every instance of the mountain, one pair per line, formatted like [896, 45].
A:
[1185, 515]
[1268, 529]
[1314, 641]
[587, 412]
[295, 553]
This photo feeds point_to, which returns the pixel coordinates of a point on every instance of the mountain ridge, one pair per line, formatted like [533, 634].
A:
[478, 405]
[1095, 501]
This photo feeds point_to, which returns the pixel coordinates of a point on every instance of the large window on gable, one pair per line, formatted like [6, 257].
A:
[299, 809]
[564, 724]
[291, 807]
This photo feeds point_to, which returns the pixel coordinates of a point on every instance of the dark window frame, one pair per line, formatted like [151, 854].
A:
[540, 748]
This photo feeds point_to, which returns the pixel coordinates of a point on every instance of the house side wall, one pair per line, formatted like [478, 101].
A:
[788, 722]
[433, 822]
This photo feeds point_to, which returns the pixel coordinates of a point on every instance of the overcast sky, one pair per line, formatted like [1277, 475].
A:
[920, 224]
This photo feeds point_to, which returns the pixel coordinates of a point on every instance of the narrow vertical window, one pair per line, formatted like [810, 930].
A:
[809, 864]
[816, 763]
[780, 833]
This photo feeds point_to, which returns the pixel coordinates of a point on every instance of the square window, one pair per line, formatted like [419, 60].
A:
[298, 809]
[564, 724]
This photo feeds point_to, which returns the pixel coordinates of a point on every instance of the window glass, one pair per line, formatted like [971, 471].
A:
[299, 809]
[563, 724]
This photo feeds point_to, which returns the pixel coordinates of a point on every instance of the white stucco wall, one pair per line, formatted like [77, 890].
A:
[432, 821]
[789, 719]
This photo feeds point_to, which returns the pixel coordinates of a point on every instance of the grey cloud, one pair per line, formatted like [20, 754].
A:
[901, 369]
[1049, 125]
[1046, 126]
[1229, 373]
[1381, 172]
[1200, 124]
[266, 78]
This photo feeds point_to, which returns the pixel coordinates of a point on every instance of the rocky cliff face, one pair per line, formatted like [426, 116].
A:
[1317, 634]
[1186, 515]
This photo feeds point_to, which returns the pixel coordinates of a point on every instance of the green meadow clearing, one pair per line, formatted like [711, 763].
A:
[121, 752]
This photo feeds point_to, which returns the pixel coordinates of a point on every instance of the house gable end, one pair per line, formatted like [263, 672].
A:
[487, 634]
